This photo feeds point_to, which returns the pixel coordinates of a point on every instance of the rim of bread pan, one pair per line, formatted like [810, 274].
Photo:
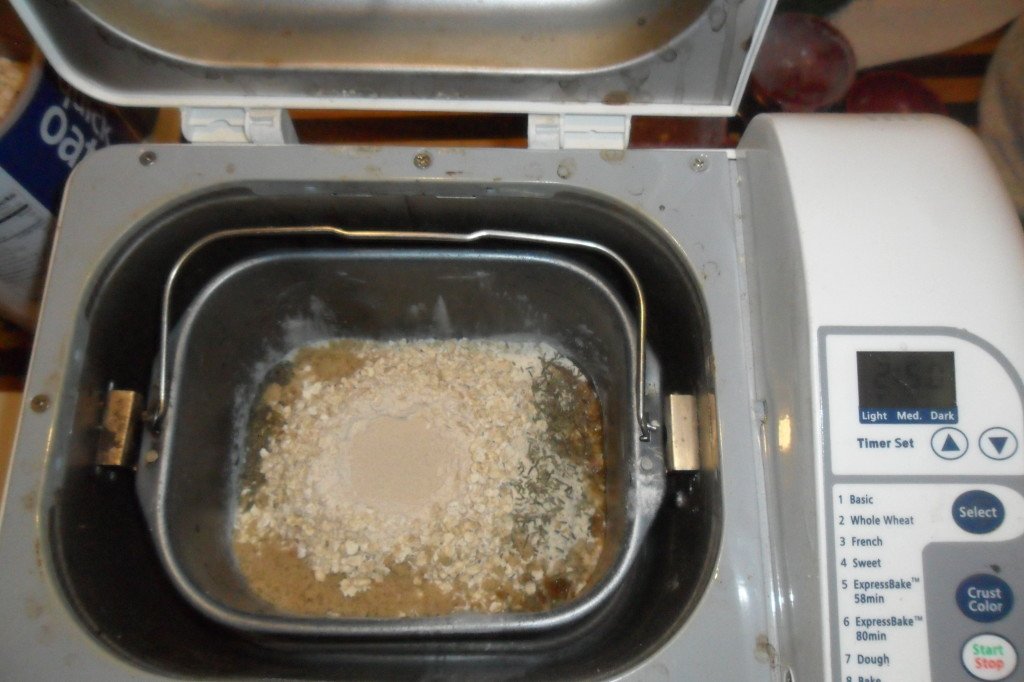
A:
[643, 486]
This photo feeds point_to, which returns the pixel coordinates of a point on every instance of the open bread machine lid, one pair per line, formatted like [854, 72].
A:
[654, 57]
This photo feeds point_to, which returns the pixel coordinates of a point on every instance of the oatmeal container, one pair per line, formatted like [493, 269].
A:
[46, 129]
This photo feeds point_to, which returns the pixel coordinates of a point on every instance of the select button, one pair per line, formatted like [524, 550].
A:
[984, 598]
[978, 512]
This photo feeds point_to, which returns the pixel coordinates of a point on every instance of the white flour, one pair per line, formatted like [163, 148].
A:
[402, 463]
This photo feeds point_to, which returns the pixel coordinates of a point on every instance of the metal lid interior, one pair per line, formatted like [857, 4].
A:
[668, 57]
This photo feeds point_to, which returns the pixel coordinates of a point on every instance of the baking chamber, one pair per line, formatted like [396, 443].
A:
[102, 549]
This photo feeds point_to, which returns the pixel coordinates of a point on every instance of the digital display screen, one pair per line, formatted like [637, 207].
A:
[900, 386]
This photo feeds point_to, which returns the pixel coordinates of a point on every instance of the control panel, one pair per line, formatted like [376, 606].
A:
[924, 505]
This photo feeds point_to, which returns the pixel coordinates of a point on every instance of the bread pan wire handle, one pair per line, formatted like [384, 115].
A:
[155, 415]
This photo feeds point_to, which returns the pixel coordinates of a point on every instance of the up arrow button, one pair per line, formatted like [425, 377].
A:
[949, 443]
[998, 443]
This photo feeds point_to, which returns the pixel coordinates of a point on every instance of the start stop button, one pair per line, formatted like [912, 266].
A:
[989, 657]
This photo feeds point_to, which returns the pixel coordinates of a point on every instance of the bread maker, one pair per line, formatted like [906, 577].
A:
[813, 342]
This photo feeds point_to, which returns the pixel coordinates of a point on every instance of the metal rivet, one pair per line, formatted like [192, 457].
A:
[699, 163]
[422, 160]
[646, 464]
[147, 158]
[40, 403]
[564, 171]
[151, 457]
[680, 499]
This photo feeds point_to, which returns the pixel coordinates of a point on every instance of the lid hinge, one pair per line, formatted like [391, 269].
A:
[237, 125]
[578, 131]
